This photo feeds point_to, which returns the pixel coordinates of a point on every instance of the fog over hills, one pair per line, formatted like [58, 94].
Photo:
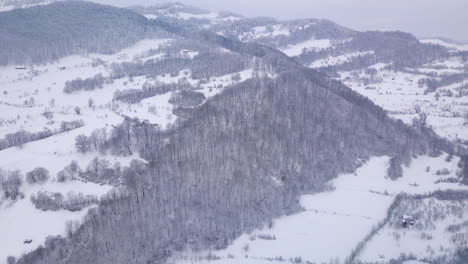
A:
[425, 19]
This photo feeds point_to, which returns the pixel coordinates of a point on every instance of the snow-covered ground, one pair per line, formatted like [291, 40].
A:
[265, 32]
[313, 44]
[21, 221]
[333, 222]
[27, 94]
[337, 60]
[452, 46]
[429, 238]
[401, 95]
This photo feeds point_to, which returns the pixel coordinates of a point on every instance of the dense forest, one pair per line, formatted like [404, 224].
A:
[43, 33]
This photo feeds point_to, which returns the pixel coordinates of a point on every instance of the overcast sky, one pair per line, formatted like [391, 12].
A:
[424, 18]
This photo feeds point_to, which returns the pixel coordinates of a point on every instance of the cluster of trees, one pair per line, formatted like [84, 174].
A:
[12, 180]
[133, 96]
[98, 171]
[206, 65]
[433, 84]
[186, 98]
[300, 30]
[38, 175]
[395, 170]
[464, 169]
[132, 136]
[398, 49]
[73, 202]
[10, 183]
[101, 171]
[160, 9]
[86, 84]
[69, 173]
[153, 68]
[22, 137]
[70, 125]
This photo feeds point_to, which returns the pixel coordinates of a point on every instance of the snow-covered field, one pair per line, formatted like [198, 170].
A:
[333, 222]
[429, 238]
[337, 60]
[401, 95]
[28, 94]
[452, 46]
[21, 221]
[313, 44]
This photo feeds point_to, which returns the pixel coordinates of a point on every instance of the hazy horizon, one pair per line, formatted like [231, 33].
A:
[423, 18]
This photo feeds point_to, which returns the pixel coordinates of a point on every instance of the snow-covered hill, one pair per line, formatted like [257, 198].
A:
[452, 46]
[333, 223]
[357, 218]
[406, 97]
[33, 99]
[7, 5]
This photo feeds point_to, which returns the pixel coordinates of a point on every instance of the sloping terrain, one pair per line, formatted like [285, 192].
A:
[213, 141]
[399, 73]
[43, 33]
[214, 147]
[334, 222]
[191, 212]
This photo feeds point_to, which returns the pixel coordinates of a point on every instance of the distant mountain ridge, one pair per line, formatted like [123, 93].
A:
[307, 39]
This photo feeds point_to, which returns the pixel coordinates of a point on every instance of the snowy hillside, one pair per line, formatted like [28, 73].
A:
[216, 138]
[7, 5]
[33, 100]
[405, 96]
[325, 46]
[452, 46]
[334, 222]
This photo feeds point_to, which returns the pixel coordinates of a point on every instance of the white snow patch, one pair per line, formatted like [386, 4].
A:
[338, 60]
[150, 16]
[313, 44]
[446, 44]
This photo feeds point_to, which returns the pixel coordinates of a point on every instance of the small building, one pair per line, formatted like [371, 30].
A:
[407, 221]
[185, 53]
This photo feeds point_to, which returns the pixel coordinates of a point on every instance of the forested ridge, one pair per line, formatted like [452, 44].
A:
[43, 33]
